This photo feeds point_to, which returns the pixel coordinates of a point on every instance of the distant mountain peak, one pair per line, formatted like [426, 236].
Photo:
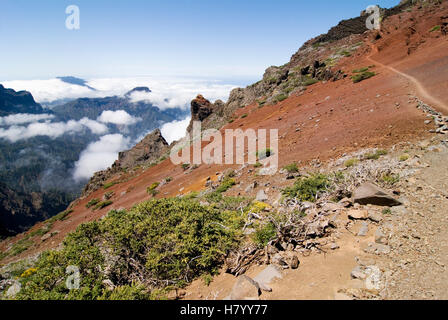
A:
[76, 81]
[137, 89]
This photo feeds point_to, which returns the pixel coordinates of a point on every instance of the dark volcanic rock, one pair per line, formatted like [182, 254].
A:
[138, 89]
[12, 101]
[201, 109]
[149, 150]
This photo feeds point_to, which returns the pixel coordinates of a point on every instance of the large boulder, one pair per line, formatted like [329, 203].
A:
[369, 193]
[245, 288]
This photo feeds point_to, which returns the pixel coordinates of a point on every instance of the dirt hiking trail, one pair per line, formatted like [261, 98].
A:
[422, 92]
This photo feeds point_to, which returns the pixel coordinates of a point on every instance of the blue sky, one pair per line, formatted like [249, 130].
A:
[226, 39]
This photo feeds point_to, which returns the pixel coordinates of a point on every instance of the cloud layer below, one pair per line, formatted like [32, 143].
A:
[35, 127]
[166, 92]
[176, 130]
[100, 155]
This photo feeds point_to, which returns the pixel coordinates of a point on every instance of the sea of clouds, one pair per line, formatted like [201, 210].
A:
[165, 93]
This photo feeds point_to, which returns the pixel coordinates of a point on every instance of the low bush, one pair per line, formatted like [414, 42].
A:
[362, 76]
[350, 163]
[310, 82]
[226, 184]
[376, 155]
[109, 185]
[264, 234]
[92, 203]
[169, 242]
[292, 168]
[281, 97]
[103, 204]
[391, 179]
[307, 189]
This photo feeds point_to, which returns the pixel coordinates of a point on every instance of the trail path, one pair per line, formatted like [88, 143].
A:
[423, 93]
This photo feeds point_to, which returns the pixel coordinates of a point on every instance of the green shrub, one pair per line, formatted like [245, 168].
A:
[20, 246]
[404, 157]
[376, 155]
[168, 179]
[169, 241]
[362, 76]
[350, 163]
[60, 216]
[258, 165]
[361, 70]
[244, 116]
[435, 28]
[306, 189]
[345, 53]
[109, 185]
[103, 204]
[281, 97]
[42, 231]
[92, 203]
[391, 179]
[226, 184]
[152, 187]
[264, 234]
[292, 168]
[310, 82]
[185, 166]
[191, 195]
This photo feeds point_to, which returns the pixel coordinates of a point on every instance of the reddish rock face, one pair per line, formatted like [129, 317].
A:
[201, 108]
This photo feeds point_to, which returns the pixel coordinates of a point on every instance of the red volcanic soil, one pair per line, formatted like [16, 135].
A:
[326, 121]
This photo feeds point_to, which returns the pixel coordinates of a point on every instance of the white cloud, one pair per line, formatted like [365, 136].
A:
[22, 118]
[50, 90]
[51, 129]
[94, 126]
[100, 155]
[119, 117]
[166, 92]
[175, 130]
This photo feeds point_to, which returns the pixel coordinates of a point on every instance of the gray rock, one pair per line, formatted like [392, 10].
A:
[293, 261]
[380, 237]
[251, 187]
[269, 274]
[358, 273]
[369, 193]
[364, 230]
[277, 259]
[261, 196]
[377, 248]
[245, 288]
[375, 216]
[356, 214]
[334, 246]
